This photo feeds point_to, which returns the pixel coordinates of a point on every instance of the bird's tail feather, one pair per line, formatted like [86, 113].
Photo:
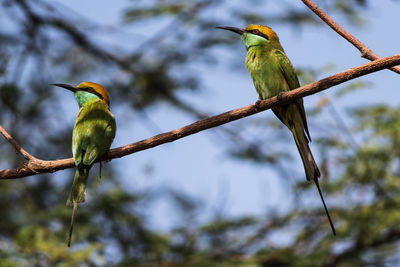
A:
[72, 223]
[78, 190]
[310, 167]
[77, 195]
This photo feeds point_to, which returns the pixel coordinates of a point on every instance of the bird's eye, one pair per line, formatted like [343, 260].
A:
[256, 31]
[90, 90]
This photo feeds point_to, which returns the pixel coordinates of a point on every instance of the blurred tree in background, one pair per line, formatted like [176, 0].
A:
[42, 42]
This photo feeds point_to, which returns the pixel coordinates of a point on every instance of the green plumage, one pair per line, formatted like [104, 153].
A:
[93, 134]
[273, 73]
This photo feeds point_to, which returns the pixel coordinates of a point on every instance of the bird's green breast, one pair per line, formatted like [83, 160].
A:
[265, 71]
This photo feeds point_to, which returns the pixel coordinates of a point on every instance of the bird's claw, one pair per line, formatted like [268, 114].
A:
[257, 104]
[280, 96]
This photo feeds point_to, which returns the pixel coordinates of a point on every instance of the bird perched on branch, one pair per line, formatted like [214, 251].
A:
[273, 73]
[93, 133]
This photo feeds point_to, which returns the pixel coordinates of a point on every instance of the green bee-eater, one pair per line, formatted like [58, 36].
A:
[273, 73]
[93, 133]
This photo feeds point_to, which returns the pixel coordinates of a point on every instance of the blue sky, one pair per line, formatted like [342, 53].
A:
[197, 164]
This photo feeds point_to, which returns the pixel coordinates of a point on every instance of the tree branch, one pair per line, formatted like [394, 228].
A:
[17, 147]
[37, 166]
[77, 36]
[366, 52]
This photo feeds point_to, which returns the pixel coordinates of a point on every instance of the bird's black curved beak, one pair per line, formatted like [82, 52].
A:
[232, 29]
[67, 86]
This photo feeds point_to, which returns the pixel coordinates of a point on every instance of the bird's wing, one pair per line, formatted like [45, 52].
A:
[101, 137]
[93, 135]
[290, 75]
[78, 150]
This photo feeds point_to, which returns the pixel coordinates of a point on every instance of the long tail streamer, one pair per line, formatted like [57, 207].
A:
[72, 223]
[326, 209]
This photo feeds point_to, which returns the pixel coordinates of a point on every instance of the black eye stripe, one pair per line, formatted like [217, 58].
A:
[257, 32]
[92, 91]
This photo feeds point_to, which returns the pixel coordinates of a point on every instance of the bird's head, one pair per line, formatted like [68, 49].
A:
[255, 35]
[87, 90]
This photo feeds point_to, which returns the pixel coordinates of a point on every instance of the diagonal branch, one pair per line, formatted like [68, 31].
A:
[366, 52]
[42, 166]
[77, 36]
[14, 143]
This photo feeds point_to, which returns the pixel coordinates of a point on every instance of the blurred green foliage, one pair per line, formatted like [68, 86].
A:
[112, 229]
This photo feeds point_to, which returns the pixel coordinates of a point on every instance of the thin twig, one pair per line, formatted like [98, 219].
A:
[42, 166]
[76, 35]
[342, 125]
[17, 147]
[366, 52]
